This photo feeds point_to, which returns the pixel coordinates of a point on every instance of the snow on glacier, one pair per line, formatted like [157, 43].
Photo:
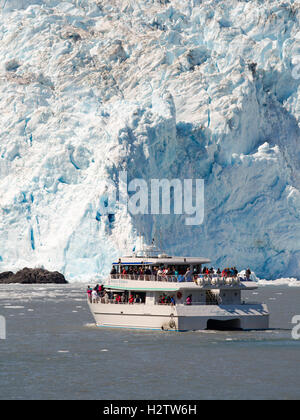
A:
[161, 89]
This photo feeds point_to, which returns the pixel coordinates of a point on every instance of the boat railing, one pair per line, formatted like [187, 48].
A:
[140, 277]
[201, 303]
[252, 302]
[199, 279]
[218, 281]
[114, 302]
[145, 277]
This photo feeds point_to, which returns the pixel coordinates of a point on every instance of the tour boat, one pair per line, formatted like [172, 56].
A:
[154, 291]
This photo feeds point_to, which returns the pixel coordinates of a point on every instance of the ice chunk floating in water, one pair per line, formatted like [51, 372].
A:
[200, 89]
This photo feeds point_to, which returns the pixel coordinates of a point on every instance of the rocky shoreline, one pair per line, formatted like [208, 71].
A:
[32, 276]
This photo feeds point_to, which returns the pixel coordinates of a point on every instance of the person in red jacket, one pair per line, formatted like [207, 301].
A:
[89, 293]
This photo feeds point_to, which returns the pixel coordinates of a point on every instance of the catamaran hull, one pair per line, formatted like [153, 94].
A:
[181, 317]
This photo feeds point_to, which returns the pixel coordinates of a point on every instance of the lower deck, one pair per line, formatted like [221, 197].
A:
[181, 317]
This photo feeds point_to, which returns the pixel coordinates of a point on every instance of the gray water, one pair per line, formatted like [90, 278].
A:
[54, 351]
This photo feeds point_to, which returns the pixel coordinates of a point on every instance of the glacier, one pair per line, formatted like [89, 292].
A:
[159, 88]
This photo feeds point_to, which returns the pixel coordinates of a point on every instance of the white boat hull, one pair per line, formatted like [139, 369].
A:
[181, 317]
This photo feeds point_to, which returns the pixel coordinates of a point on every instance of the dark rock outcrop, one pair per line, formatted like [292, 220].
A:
[32, 276]
[4, 277]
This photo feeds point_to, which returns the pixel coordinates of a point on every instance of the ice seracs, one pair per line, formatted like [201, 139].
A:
[180, 89]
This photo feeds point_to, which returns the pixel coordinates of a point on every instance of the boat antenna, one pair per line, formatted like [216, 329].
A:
[160, 241]
[143, 243]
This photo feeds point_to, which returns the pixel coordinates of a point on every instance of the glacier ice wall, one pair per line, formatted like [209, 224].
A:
[160, 88]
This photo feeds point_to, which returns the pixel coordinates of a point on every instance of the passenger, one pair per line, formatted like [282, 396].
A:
[159, 272]
[113, 270]
[218, 272]
[89, 293]
[94, 296]
[137, 299]
[118, 299]
[189, 300]
[188, 275]
[166, 272]
[106, 298]
[180, 278]
[148, 273]
[131, 300]
[172, 301]
[248, 273]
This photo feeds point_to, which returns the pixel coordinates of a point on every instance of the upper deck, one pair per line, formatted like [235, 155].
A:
[154, 270]
[175, 283]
